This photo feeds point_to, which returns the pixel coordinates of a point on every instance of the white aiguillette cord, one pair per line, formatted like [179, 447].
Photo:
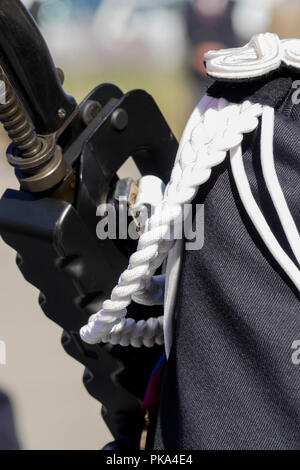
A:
[217, 127]
[276, 194]
[214, 128]
[272, 182]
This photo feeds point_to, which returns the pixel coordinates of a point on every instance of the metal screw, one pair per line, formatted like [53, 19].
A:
[90, 111]
[62, 113]
[119, 119]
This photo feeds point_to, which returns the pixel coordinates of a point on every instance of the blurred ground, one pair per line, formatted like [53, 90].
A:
[52, 408]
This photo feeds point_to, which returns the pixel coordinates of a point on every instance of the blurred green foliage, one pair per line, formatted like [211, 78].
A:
[169, 88]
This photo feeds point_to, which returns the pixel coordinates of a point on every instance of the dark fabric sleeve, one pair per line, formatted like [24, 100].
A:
[8, 437]
[230, 382]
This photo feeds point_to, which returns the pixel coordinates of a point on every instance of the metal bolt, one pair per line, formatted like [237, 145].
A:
[90, 111]
[62, 113]
[119, 119]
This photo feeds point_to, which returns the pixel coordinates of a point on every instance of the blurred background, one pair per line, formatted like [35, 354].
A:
[157, 45]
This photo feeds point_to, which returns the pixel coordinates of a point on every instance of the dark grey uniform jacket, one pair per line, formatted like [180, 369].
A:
[230, 382]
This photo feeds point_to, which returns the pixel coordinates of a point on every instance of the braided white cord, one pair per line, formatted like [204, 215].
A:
[216, 127]
[150, 293]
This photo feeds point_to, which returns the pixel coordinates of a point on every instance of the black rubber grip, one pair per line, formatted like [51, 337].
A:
[25, 57]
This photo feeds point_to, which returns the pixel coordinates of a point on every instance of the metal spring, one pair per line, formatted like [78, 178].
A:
[15, 121]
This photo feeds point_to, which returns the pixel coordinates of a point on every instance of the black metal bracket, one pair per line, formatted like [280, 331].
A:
[60, 254]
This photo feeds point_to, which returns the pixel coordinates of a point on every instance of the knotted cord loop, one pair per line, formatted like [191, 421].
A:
[263, 54]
